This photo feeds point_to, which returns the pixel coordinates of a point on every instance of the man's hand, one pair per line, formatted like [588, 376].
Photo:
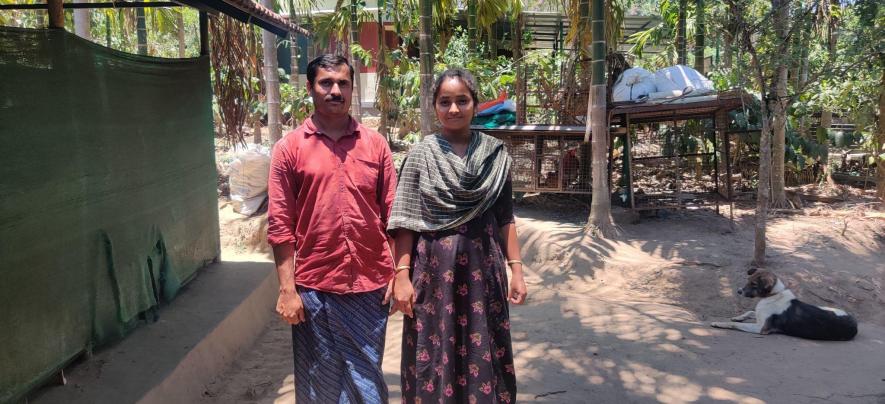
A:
[389, 293]
[290, 307]
[403, 294]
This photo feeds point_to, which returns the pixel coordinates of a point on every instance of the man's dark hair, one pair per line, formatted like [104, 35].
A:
[327, 61]
[461, 74]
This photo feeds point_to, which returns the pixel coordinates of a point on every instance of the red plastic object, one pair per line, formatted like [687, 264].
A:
[488, 104]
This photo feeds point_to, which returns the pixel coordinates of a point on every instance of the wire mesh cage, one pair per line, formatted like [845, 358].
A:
[550, 159]
[673, 164]
[743, 164]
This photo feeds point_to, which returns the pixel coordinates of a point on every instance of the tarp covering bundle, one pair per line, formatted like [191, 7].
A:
[107, 195]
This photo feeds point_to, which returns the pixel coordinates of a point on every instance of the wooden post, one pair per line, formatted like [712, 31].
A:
[716, 158]
[628, 162]
[721, 125]
[204, 33]
[56, 14]
[678, 158]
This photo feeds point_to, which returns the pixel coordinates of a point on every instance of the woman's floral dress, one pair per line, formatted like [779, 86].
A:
[457, 347]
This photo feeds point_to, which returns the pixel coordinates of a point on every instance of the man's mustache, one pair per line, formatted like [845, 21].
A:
[332, 98]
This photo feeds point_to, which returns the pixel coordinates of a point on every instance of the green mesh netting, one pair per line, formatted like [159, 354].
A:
[107, 194]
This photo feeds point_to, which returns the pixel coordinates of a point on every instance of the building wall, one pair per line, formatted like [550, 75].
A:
[369, 40]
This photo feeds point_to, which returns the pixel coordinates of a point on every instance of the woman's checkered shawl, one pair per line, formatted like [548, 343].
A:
[438, 190]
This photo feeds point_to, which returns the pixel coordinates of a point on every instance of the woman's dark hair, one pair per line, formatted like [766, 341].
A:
[327, 61]
[457, 73]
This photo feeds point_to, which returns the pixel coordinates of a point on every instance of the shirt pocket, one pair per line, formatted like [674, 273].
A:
[365, 175]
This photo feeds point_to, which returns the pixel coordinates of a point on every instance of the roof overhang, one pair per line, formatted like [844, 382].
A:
[249, 12]
[246, 11]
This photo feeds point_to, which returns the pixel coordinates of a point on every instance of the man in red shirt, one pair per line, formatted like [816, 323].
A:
[331, 187]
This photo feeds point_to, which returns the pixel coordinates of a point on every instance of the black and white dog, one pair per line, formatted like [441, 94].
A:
[779, 311]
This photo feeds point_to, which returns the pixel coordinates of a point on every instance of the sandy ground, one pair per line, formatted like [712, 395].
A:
[627, 320]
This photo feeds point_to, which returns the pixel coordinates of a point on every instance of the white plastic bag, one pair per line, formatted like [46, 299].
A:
[633, 84]
[682, 78]
[248, 174]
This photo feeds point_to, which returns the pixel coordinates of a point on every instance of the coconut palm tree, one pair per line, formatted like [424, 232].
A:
[600, 221]
[595, 27]
[295, 10]
[271, 80]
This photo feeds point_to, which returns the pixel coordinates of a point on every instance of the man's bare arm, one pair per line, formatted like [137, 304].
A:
[289, 304]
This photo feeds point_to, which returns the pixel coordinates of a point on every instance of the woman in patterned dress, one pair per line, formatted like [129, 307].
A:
[453, 222]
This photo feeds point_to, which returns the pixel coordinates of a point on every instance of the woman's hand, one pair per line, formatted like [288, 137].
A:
[403, 294]
[517, 293]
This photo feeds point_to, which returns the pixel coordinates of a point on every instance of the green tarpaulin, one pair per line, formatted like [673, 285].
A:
[107, 195]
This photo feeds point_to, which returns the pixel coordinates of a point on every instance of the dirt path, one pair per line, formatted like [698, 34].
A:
[627, 321]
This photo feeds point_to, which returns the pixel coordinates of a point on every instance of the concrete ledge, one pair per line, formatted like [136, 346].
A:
[223, 345]
[217, 315]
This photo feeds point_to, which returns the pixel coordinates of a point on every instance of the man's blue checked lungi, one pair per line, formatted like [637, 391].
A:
[339, 348]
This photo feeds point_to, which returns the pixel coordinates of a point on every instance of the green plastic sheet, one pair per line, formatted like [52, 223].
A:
[107, 195]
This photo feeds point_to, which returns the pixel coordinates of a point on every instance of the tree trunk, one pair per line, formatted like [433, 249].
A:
[600, 221]
[107, 30]
[256, 129]
[182, 45]
[271, 80]
[764, 181]
[293, 50]
[779, 109]
[56, 13]
[680, 34]
[381, 72]
[727, 59]
[357, 64]
[492, 40]
[294, 60]
[779, 130]
[426, 66]
[700, 28]
[516, 42]
[568, 86]
[880, 154]
[762, 193]
[471, 24]
[826, 116]
[803, 78]
[141, 31]
[83, 21]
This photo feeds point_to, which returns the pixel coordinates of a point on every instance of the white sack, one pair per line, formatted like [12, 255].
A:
[248, 178]
[682, 78]
[633, 84]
